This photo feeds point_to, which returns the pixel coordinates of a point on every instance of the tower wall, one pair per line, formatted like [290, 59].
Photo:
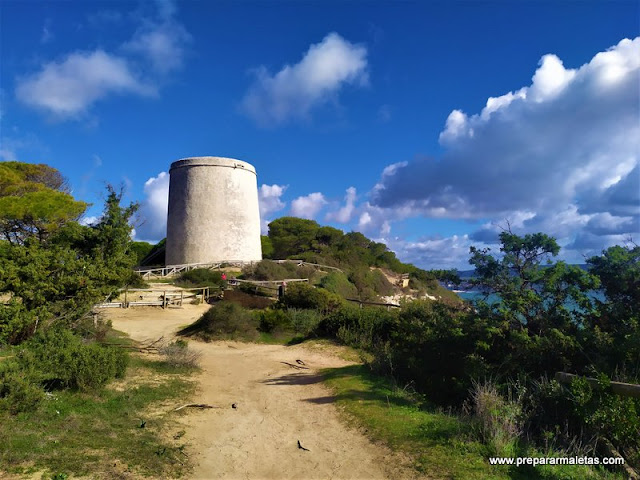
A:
[213, 211]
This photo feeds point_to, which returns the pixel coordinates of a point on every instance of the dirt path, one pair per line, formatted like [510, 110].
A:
[277, 406]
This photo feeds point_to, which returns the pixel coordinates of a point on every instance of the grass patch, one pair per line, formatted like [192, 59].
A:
[440, 445]
[99, 434]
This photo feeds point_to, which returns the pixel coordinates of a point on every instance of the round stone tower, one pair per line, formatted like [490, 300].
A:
[213, 211]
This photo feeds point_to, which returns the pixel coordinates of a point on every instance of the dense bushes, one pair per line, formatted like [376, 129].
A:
[338, 283]
[225, 320]
[16, 323]
[271, 319]
[60, 275]
[56, 359]
[268, 270]
[352, 252]
[370, 283]
[303, 295]
[62, 360]
[200, 277]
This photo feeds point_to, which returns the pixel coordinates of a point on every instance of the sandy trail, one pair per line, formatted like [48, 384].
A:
[277, 406]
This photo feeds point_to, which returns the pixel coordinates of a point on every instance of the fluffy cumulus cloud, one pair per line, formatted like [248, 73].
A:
[308, 206]
[163, 45]
[270, 201]
[67, 87]
[296, 89]
[152, 218]
[344, 214]
[435, 252]
[559, 155]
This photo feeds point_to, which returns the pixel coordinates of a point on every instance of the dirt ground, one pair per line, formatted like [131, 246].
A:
[277, 407]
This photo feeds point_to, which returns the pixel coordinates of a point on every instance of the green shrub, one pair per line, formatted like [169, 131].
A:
[269, 270]
[497, 421]
[18, 392]
[63, 361]
[338, 283]
[135, 280]
[304, 322]
[16, 323]
[303, 295]
[359, 327]
[370, 283]
[271, 320]
[224, 320]
[372, 327]
[200, 277]
[440, 350]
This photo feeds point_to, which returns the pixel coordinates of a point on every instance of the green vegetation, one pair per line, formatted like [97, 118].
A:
[54, 269]
[200, 277]
[98, 433]
[141, 250]
[440, 445]
[269, 270]
[358, 257]
[34, 201]
[545, 322]
[56, 407]
[155, 256]
[56, 360]
[225, 321]
[56, 367]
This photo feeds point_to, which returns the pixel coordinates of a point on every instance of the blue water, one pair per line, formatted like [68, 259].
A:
[493, 298]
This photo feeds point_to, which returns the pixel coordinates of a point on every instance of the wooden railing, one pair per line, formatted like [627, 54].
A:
[619, 388]
[150, 273]
[172, 270]
[379, 304]
[155, 297]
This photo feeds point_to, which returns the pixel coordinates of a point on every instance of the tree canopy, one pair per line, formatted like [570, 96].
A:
[52, 268]
[34, 201]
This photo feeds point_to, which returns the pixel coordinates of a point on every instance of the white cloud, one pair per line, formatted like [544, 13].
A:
[68, 87]
[308, 206]
[435, 252]
[561, 153]
[344, 214]
[46, 35]
[89, 220]
[550, 79]
[365, 221]
[163, 45]
[7, 155]
[166, 8]
[152, 218]
[270, 201]
[296, 89]
[269, 197]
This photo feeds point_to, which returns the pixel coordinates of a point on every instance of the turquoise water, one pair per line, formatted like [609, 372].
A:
[493, 298]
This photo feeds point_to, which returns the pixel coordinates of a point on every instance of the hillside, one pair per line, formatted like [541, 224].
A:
[367, 270]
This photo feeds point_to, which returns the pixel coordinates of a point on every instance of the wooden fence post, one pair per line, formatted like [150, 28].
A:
[619, 388]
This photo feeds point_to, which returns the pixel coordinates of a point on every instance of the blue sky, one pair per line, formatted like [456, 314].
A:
[426, 125]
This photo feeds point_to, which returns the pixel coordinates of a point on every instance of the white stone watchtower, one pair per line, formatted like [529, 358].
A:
[213, 211]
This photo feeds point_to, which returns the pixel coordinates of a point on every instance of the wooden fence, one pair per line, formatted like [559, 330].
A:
[137, 297]
[151, 273]
[173, 270]
[619, 388]
[379, 304]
